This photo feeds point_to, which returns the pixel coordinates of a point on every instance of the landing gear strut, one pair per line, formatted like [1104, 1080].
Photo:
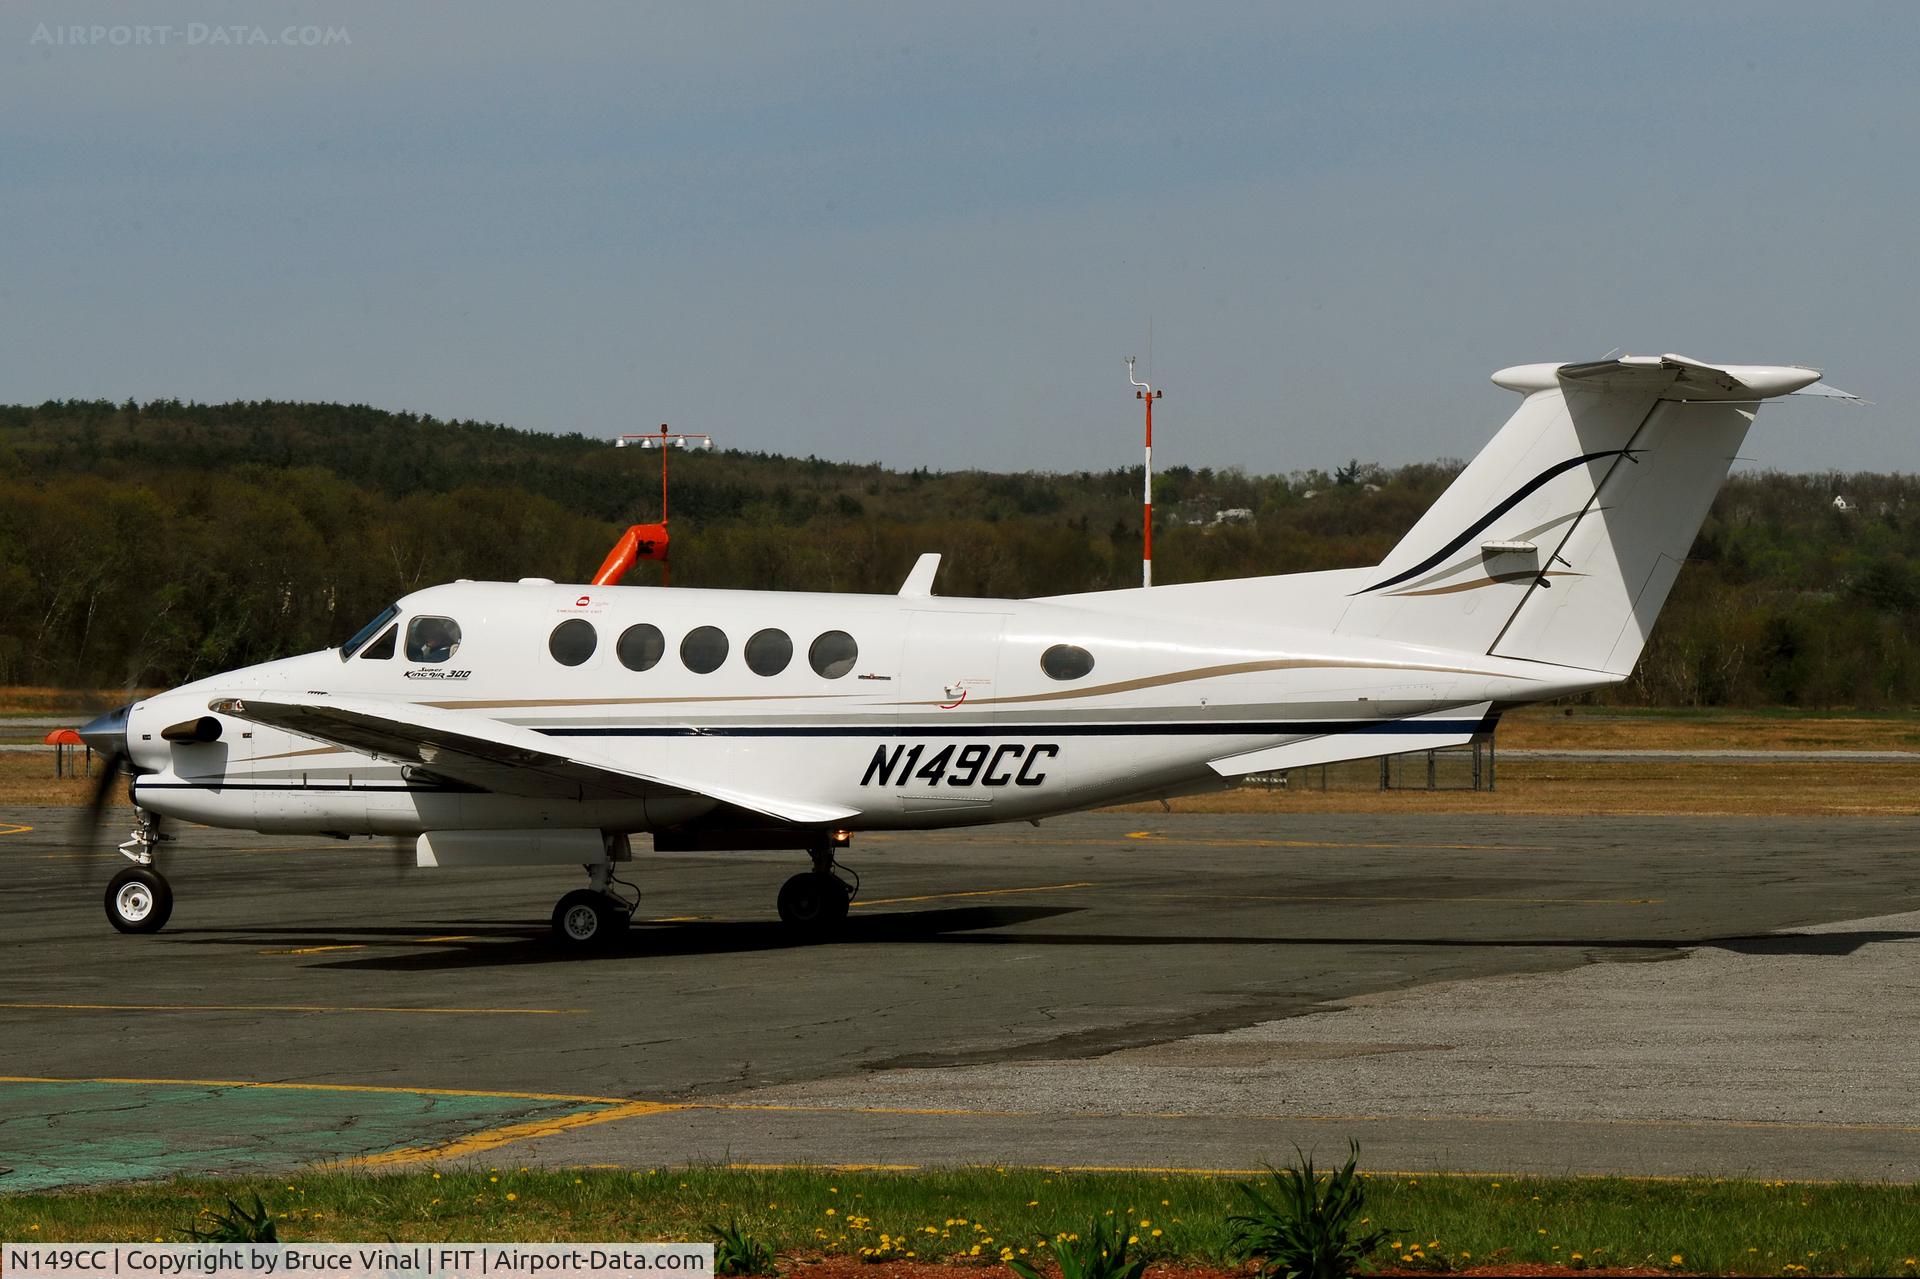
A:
[596, 917]
[139, 899]
[813, 904]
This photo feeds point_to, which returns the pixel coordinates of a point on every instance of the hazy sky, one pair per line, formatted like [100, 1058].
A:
[928, 234]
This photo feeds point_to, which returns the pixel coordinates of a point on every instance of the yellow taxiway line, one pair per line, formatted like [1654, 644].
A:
[296, 1008]
[977, 892]
[1325, 843]
[1382, 897]
[13, 828]
[292, 1086]
[479, 1143]
[362, 945]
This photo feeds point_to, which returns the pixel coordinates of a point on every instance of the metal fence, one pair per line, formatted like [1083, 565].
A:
[1469, 767]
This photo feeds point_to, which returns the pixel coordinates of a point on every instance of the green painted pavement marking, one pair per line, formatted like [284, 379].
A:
[74, 1133]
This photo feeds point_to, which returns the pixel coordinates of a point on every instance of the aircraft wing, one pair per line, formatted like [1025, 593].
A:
[486, 753]
[1455, 727]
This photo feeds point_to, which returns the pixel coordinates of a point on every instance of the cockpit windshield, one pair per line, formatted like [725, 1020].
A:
[368, 631]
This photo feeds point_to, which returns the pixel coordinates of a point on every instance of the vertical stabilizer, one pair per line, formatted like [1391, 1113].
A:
[1560, 541]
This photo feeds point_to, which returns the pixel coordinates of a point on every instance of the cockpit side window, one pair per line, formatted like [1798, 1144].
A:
[368, 631]
[381, 649]
[432, 639]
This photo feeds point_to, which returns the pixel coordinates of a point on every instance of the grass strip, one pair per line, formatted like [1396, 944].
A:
[986, 1214]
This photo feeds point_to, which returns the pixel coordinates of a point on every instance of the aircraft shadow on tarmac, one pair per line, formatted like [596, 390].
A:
[499, 942]
[454, 944]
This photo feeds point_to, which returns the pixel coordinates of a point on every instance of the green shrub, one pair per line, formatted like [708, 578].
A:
[235, 1225]
[737, 1253]
[1100, 1254]
[1311, 1227]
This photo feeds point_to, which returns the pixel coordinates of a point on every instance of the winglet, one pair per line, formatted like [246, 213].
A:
[919, 583]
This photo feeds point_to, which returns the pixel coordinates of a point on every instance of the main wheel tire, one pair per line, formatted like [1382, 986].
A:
[814, 904]
[139, 900]
[585, 920]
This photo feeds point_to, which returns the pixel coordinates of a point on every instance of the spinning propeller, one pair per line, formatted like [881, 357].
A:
[107, 735]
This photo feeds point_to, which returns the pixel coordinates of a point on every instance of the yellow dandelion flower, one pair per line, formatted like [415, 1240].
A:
[1033, 1203]
[1133, 1238]
[1156, 1232]
[1677, 1258]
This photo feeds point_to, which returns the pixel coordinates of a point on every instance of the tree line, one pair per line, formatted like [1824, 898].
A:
[149, 544]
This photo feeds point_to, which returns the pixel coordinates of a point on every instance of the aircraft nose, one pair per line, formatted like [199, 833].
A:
[107, 734]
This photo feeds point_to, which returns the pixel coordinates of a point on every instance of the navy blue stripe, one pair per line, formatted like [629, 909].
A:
[451, 788]
[1479, 526]
[1224, 728]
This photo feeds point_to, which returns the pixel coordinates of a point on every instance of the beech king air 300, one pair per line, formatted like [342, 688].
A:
[531, 723]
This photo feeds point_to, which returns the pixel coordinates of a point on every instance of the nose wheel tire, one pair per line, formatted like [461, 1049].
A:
[813, 904]
[139, 900]
[589, 921]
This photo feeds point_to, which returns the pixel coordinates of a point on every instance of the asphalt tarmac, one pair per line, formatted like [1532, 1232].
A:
[1109, 990]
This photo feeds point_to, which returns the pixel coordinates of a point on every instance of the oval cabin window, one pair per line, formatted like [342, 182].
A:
[640, 647]
[573, 641]
[1066, 661]
[704, 648]
[833, 654]
[768, 652]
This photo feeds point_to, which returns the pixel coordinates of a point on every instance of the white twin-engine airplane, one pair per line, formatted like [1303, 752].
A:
[532, 723]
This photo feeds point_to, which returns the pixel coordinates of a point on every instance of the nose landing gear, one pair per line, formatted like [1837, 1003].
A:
[139, 899]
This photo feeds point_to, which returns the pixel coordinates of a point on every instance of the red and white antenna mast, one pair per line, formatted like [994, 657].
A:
[1147, 393]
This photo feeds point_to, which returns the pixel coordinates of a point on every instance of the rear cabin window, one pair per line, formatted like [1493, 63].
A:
[432, 639]
[704, 649]
[573, 641]
[1066, 661]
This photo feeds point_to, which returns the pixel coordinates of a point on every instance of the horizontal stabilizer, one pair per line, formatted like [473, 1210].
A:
[1667, 377]
[1433, 731]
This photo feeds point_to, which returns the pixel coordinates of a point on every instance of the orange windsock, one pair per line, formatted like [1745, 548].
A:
[641, 542]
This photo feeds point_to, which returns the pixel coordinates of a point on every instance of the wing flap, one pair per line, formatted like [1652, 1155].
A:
[492, 755]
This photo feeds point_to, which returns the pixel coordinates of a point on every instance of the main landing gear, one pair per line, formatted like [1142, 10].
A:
[139, 899]
[595, 918]
[813, 904]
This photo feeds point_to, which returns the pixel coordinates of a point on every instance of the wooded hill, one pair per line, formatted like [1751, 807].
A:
[150, 544]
